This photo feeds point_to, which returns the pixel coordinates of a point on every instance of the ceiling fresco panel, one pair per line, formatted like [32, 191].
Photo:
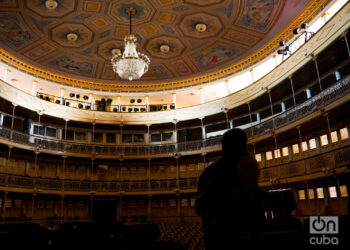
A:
[165, 30]
[64, 7]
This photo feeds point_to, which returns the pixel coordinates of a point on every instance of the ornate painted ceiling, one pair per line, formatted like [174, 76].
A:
[233, 30]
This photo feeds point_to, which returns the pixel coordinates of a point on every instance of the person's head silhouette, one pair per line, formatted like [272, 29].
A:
[234, 145]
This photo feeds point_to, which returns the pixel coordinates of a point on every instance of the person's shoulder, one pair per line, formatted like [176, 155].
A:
[212, 168]
[248, 162]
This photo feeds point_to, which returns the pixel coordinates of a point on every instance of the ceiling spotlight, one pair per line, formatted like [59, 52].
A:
[51, 4]
[164, 48]
[296, 31]
[282, 43]
[304, 26]
[72, 37]
[116, 52]
[283, 51]
[201, 27]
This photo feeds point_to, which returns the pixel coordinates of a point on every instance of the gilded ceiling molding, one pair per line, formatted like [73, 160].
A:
[306, 15]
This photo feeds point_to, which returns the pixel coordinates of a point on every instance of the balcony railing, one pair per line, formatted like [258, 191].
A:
[317, 102]
[310, 165]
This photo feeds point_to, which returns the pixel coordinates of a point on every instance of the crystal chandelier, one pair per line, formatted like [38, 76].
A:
[130, 65]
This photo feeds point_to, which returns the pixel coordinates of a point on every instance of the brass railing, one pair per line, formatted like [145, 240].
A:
[317, 102]
[310, 165]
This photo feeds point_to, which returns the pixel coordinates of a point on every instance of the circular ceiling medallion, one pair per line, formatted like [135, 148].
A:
[72, 37]
[201, 27]
[116, 51]
[164, 48]
[51, 4]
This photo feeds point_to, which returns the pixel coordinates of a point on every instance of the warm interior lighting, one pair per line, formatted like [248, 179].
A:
[51, 4]
[130, 65]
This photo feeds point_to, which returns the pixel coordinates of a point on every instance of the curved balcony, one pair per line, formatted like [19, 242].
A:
[329, 33]
[313, 107]
[309, 167]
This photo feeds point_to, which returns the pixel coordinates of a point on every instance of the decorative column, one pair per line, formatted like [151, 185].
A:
[147, 103]
[269, 93]
[37, 152]
[120, 205]
[276, 145]
[92, 196]
[148, 135]
[227, 83]
[65, 128]
[8, 162]
[90, 101]
[283, 107]
[121, 132]
[250, 114]
[62, 207]
[308, 93]
[3, 206]
[300, 139]
[149, 174]
[258, 119]
[7, 70]
[178, 203]
[175, 133]
[33, 202]
[13, 118]
[275, 58]
[93, 131]
[314, 58]
[231, 124]
[149, 208]
[34, 83]
[290, 153]
[63, 170]
[177, 172]
[204, 134]
[225, 110]
[174, 99]
[252, 74]
[92, 167]
[337, 75]
[118, 103]
[62, 95]
[204, 160]
[263, 159]
[1, 119]
[202, 95]
[328, 124]
[250, 118]
[346, 41]
[292, 87]
[325, 16]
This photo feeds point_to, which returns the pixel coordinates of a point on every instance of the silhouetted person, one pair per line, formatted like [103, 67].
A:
[228, 195]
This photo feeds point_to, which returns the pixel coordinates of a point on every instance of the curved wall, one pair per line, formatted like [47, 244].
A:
[324, 37]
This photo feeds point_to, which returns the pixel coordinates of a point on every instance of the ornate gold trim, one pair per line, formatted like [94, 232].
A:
[310, 11]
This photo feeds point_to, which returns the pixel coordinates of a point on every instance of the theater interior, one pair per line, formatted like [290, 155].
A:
[103, 147]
